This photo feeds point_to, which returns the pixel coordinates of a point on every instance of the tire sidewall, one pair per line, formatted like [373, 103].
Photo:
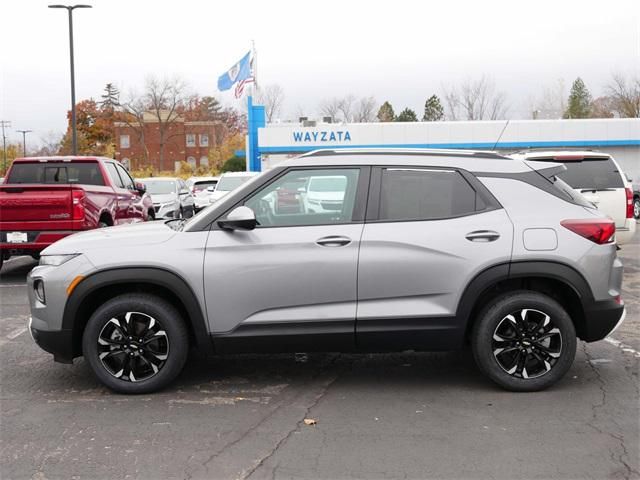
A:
[487, 322]
[171, 322]
[636, 206]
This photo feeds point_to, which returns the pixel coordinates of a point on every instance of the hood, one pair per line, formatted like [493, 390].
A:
[163, 198]
[114, 238]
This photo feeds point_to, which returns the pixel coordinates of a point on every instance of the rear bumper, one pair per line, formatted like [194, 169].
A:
[36, 242]
[601, 319]
[624, 235]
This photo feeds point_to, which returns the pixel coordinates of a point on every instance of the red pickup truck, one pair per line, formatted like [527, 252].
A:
[45, 199]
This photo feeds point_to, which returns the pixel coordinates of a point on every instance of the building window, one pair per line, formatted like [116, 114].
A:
[191, 139]
[124, 141]
[204, 140]
[204, 161]
[191, 161]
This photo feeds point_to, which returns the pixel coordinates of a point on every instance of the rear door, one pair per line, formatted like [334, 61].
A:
[428, 233]
[599, 180]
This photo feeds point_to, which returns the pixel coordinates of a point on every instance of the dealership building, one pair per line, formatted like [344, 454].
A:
[269, 144]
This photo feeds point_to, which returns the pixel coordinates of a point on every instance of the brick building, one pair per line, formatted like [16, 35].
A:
[187, 141]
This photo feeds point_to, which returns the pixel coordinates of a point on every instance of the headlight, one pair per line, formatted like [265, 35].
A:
[56, 260]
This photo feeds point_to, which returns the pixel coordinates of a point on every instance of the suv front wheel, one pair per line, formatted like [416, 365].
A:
[136, 343]
[524, 341]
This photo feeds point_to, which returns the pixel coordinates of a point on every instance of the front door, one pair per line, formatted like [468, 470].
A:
[291, 283]
[428, 233]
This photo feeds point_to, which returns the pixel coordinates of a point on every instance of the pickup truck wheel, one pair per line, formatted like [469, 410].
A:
[636, 208]
[102, 224]
[136, 343]
[524, 341]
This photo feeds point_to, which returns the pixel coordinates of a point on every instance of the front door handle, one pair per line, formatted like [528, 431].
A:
[333, 241]
[482, 236]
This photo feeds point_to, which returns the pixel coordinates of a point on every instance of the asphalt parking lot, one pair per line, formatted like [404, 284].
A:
[409, 415]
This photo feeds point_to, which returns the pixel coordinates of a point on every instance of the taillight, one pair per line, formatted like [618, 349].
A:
[629, 193]
[597, 230]
[77, 204]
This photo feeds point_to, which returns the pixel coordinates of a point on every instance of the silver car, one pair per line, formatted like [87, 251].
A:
[171, 197]
[429, 250]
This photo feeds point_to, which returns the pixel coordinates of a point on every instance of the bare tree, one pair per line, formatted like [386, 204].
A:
[552, 103]
[625, 95]
[272, 97]
[365, 110]
[476, 100]
[133, 110]
[164, 98]
[49, 145]
[330, 107]
[346, 106]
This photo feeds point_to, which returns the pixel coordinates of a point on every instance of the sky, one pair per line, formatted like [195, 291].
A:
[401, 51]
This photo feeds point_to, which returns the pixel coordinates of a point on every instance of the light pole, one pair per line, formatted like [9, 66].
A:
[70, 9]
[3, 124]
[24, 141]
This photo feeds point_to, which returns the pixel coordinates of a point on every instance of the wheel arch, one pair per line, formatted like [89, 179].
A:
[558, 280]
[106, 214]
[103, 285]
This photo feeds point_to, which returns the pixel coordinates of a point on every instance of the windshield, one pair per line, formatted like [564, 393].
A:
[197, 186]
[226, 184]
[160, 187]
[328, 184]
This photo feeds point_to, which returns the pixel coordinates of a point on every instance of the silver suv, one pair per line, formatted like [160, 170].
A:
[419, 249]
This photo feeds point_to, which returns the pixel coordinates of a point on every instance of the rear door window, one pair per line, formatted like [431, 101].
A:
[82, 173]
[408, 194]
[113, 173]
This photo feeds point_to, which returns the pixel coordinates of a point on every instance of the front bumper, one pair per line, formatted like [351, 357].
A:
[601, 319]
[59, 343]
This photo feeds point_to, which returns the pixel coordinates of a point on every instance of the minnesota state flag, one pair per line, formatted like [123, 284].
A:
[241, 72]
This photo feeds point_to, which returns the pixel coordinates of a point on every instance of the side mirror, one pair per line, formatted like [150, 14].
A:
[240, 218]
[141, 188]
[211, 188]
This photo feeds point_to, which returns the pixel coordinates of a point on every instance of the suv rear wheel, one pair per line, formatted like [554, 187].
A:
[524, 341]
[136, 343]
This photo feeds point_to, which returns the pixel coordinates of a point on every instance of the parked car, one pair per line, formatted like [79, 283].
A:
[228, 182]
[636, 200]
[429, 251]
[324, 194]
[201, 189]
[44, 199]
[600, 179]
[171, 197]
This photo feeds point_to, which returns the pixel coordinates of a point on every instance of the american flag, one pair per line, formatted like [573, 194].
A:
[240, 86]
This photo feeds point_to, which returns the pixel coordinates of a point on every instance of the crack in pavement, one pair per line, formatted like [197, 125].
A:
[286, 401]
[594, 414]
[327, 384]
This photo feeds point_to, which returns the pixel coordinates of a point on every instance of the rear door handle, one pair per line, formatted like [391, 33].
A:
[333, 241]
[482, 236]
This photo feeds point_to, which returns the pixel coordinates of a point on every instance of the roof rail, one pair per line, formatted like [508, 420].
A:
[417, 152]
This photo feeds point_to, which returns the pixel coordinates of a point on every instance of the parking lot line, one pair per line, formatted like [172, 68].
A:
[622, 346]
[16, 333]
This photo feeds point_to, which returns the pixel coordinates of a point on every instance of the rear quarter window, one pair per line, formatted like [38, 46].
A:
[86, 173]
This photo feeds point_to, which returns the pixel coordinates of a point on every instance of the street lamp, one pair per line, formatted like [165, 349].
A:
[24, 141]
[70, 9]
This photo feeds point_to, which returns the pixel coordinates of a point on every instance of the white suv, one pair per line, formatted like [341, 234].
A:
[599, 178]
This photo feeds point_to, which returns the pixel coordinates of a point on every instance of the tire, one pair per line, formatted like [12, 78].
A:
[102, 224]
[191, 212]
[180, 213]
[511, 351]
[636, 208]
[154, 360]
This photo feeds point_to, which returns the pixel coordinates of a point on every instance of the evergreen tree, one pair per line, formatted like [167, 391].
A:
[110, 98]
[385, 113]
[407, 115]
[433, 110]
[579, 104]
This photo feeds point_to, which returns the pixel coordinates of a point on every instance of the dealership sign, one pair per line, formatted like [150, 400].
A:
[321, 136]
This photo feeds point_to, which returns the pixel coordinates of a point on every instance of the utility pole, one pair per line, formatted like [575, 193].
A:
[7, 124]
[24, 141]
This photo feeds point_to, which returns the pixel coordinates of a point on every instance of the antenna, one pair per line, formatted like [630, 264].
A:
[501, 133]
